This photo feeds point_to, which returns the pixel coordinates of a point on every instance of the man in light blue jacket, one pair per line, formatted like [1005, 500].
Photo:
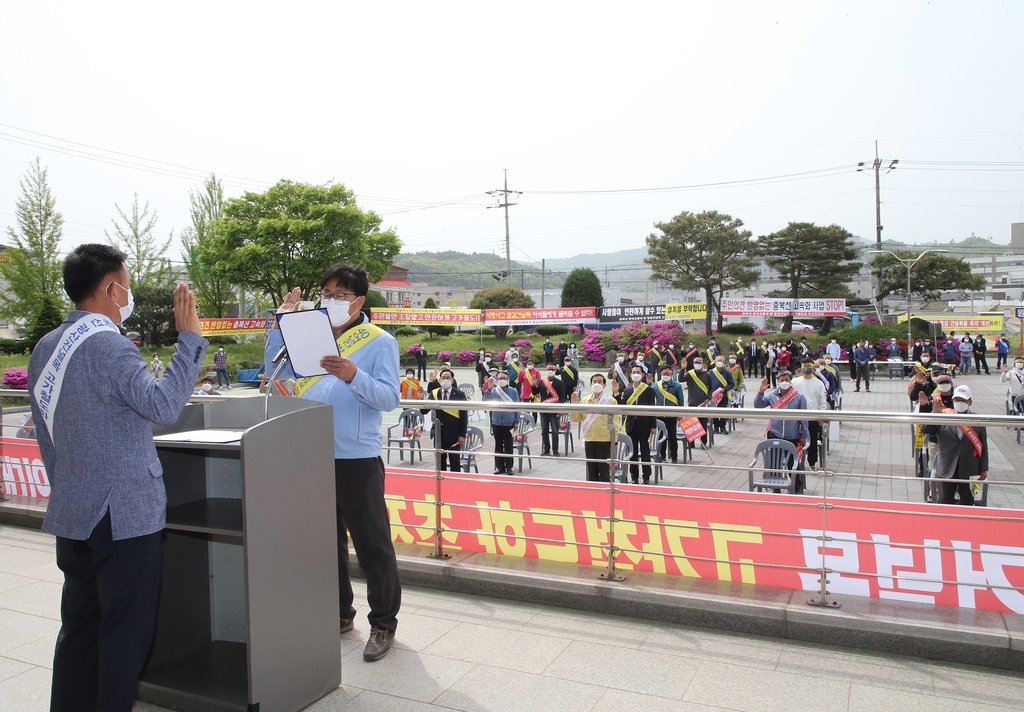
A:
[361, 384]
[93, 400]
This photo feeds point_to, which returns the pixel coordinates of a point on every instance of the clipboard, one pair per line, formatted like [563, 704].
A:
[308, 336]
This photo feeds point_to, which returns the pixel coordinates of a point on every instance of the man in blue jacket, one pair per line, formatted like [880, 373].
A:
[502, 421]
[93, 400]
[862, 361]
[361, 384]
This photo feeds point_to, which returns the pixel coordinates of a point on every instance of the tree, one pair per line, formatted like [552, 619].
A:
[707, 251]
[501, 298]
[48, 318]
[430, 303]
[374, 300]
[213, 295]
[284, 238]
[32, 267]
[816, 261]
[582, 288]
[933, 274]
[153, 316]
[137, 238]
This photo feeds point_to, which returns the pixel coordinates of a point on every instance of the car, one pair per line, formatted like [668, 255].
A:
[800, 326]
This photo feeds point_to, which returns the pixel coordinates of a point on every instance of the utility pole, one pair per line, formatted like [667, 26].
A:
[542, 283]
[505, 193]
[876, 166]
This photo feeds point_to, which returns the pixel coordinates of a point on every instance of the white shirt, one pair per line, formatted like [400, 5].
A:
[834, 350]
[1014, 377]
[813, 390]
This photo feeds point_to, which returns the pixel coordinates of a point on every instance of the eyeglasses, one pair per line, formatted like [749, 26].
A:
[325, 296]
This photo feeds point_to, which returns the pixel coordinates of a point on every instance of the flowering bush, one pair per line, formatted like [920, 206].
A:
[523, 345]
[573, 329]
[16, 378]
[465, 357]
[445, 356]
[412, 349]
[592, 347]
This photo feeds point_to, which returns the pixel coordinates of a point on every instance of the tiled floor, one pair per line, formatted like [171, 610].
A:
[470, 653]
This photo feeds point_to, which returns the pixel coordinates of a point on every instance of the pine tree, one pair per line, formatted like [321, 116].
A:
[213, 295]
[582, 289]
[32, 267]
[137, 239]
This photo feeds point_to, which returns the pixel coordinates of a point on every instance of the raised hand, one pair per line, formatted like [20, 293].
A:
[291, 301]
[185, 316]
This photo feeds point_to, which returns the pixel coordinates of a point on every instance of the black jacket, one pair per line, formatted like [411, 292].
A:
[695, 395]
[639, 425]
[452, 427]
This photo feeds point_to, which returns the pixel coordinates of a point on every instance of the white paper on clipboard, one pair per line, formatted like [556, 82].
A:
[309, 337]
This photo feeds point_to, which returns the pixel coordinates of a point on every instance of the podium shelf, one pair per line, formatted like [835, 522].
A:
[215, 674]
[215, 515]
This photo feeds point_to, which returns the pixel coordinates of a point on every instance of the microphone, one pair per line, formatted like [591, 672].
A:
[281, 353]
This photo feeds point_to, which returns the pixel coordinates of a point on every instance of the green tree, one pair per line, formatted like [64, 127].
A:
[933, 274]
[32, 267]
[706, 251]
[501, 298]
[48, 318]
[816, 261]
[430, 303]
[137, 239]
[374, 300]
[582, 288]
[213, 295]
[284, 238]
[153, 316]
[433, 331]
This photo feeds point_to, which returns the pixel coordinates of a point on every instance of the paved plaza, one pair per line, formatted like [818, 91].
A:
[463, 652]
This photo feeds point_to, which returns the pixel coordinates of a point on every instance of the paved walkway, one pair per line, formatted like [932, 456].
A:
[471, 653]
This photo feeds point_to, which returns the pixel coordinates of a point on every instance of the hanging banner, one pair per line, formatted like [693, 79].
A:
[528, 317]
[686, 310]
[968, 323]
[232, 327]
[632, 312]
[784, 307]
[464, 317]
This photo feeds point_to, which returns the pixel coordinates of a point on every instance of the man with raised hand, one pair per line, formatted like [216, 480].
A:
[93, 401]
[792, 431]
[963, 452]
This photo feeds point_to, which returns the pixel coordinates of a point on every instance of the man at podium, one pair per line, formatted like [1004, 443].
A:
[360, 384]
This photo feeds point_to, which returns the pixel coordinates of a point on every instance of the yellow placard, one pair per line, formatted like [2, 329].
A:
[686, 310]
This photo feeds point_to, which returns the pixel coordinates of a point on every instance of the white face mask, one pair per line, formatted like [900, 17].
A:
[207, 387]
[925, 358]
[502, 382]
[665, 378]
[732, 360]
[126, 311]
[597, 388]
[784, 385]
[551, 373]
[337, 310]
[961, 406]
[636, 377]
[622, 359]
[719, 364]
[1019, 366]
[698, 367]
[828, 361]
[945, 387]
[446, 383]
[487, 359]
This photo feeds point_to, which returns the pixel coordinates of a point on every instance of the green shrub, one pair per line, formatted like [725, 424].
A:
[405, 331]
[441, 330]
[485, 331]
[221, 340]
[740, 329]
[552, 329]
[873, 333]
[12, 347]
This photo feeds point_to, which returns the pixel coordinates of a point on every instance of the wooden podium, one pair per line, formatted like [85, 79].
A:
[248, 614]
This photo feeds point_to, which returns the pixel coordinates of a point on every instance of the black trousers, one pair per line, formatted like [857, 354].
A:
[549, 425]
[720, 422]
[980, 362]
[812, 442]
[672, 442]
[363, 514]
[108, 615]
[502, 446]
[641, 451]
[451, 461]
[597, 471]
[865, 373]
[421, 372]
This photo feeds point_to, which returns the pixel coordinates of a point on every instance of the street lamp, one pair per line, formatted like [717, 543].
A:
[909, 264]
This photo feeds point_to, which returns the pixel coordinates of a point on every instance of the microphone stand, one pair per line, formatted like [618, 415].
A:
[280, 358]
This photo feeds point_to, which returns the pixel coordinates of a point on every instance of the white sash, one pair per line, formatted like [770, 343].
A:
[51, 380]
[618, 370]
[502, 394]
[589, 420]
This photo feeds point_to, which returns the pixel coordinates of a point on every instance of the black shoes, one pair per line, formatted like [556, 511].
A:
[378, 644]
[347, 624]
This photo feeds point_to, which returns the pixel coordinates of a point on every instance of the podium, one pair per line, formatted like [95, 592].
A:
[248, 613]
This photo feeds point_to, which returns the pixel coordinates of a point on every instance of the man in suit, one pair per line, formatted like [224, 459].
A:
[698, 391]
[454, 423]
[108, 504]
[963, 452]
[639, 428]
[421, 363]
[551, 390]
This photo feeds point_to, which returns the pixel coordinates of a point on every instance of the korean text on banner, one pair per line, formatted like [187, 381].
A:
[525, 317]
[970, 323]
[632, 312]
[686, 310]
[232, 327]
[784, 307]
[454, 317]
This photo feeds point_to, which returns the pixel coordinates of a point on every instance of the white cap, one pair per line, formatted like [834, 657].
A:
[962, 392]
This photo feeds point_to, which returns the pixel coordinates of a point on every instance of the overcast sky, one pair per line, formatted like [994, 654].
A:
[415, 104]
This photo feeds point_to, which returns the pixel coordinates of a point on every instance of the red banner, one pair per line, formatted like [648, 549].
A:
[524, 317]
[692, 429]
[23, 470]
[465, 317]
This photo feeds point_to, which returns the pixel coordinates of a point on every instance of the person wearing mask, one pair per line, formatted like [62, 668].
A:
[753, 359]
[619, 371]
[783, 357]
[949, 353]
[672, 359]
[830, 367]
[862, 361]
[924, 363]
[561, 351]
[894, 354]
[598, 433]
[721, 380]
[980, 350]
[792, 431]
[503, 422]
[692, 352]
[1014, 376]
[220, 362]
[639, 428]
[529, 383]
[940, 399]
[918, 348]
[574, 354]
[454, 421]
[827, 377]
[962, 452]
[569, 376]
[669, 393]
[740, 351]
[698, 391]
[767, 353]
[655, 358]
[549, 350]
[409, 388]
[435, 382]
[484, 362]
[93, 412]
[920, 382]
[513, 368]
[736, 369]
[815, 393]
[636, 358]
[421, 363]
[361, 384]
[713, 351]
[769, 359]
[206, 388]
[551, 390]
[156, 367]
[966, 355]
[1002, 351]
[834, 349]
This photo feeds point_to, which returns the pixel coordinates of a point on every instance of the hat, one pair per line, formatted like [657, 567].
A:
[493, 370]
[942, 377]
[808, 362]
[962, 392]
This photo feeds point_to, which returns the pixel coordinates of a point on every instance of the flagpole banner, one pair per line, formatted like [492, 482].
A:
[686, 310]
[232, 327]
[455, 317]
[784, 307]
[527, 317]
[969, 323]
[632, 312]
